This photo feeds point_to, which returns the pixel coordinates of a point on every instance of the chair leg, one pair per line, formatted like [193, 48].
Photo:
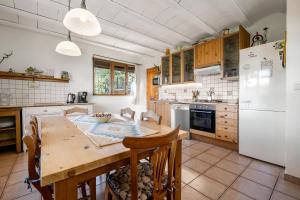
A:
[92, 185]
[107, 194]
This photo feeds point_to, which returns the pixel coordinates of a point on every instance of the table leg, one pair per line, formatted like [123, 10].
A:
[177, 171]
[65, 190]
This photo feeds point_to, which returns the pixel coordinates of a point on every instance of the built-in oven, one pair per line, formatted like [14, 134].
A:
[203, 118]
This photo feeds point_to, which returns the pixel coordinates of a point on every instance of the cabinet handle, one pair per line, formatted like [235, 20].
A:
[45, 110]
[226, 136]
[225, 128]
[226, 115]
[225, 122]
[225, 108]
[219, 135]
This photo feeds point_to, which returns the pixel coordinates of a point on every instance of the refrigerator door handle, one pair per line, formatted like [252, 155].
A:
[246, 101]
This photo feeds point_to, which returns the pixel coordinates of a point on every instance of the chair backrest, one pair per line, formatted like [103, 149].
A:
[163, 151]
[125, 112]
[35, 133]
[150, 115]
[76, 110]
[33, 148]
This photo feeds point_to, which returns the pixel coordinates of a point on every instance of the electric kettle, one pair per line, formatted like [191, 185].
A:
[71, 98]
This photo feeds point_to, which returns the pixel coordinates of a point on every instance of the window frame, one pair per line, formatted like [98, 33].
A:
[112, 65]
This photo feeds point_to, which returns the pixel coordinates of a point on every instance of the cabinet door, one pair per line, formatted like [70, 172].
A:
[165, 65]
[200, 55]
[188, 65]
[231, 55]
[176, 68]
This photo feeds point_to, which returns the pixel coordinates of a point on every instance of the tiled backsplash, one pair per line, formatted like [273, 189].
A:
[226, 90]
[24, 92]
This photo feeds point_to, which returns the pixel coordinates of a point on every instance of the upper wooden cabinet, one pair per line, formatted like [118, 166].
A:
[208, 53]
[232, 44]
[165, 70]
[176, 67]
[188, 64]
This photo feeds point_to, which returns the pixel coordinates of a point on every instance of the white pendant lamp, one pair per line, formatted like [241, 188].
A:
[68, 47]
[82, 21]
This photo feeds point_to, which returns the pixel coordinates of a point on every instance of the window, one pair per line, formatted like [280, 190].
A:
[112, 78]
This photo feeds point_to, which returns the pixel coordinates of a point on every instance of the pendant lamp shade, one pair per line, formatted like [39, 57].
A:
[82, 21]
[68, 48]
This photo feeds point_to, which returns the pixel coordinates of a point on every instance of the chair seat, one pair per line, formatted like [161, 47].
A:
[120, 182]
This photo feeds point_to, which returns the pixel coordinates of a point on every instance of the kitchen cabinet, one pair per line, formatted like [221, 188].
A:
[162, 108]
[176, 67]
[188, 64]
[165, 70]
[208, 53]
[231, 45]
[226, 122]
[10, 128]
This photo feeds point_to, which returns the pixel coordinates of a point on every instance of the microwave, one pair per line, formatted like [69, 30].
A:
[156, 80]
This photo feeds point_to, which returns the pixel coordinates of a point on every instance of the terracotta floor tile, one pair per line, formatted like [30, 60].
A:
[21, 166]
[22, 158]
[201, 146]
[231, 166]
[3, 180]
[17, 177]
[190, 152]
[252, 189]
[221, 175]
[31, 196]
[4, 171]
[279, 196]
[208, 187]
[218, 151]
[185, 157]
[260, 177]
[189, 142]
[197, 165]
[289, 188]
[188, 193]
[265, 167]
[209, 158]
[239, 159]
[7, 162]
[231, 194]
[188, 174]
[8, 155]
[15, 191]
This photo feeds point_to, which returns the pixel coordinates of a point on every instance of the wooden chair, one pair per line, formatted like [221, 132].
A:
[150, 115]
[136, 179]
[76, 110]
[34, 149]
[125, 112]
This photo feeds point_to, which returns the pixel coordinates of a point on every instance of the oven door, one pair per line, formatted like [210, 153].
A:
[203, 120]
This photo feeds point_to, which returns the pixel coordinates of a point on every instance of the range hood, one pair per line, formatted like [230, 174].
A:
[216, 69]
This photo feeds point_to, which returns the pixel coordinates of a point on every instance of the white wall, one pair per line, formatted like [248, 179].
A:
[276, 23]
[293, 95]
[37, 49]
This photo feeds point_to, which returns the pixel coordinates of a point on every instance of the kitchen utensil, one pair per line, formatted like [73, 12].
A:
[257, 39]
[82, 97]
[71, 98]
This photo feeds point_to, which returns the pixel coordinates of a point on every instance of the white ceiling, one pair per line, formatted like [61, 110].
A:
[144, 27]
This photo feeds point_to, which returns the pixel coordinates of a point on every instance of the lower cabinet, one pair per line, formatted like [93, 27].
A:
[226, 122]
[162, 108]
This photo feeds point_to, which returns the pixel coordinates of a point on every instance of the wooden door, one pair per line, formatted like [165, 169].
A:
[152, 90]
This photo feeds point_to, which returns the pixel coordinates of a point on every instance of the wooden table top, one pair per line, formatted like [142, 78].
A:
[66, 151]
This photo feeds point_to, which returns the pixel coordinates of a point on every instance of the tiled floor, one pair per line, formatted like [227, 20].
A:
[208, 172]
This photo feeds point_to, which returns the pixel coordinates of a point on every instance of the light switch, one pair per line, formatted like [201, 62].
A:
[297, 86]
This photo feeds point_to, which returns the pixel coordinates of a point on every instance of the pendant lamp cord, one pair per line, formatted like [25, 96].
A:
[69, 32]
[83, 4]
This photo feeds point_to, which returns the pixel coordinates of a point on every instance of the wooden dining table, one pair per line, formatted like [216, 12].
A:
[69, 157]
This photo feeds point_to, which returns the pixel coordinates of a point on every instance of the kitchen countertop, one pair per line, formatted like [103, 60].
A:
[234, 102]
[44, 105]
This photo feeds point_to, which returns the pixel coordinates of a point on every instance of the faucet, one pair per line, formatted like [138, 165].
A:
[210, 93]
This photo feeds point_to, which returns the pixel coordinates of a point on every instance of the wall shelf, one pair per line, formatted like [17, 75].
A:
[23, 76]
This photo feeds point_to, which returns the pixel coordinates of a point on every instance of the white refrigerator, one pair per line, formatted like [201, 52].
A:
[262, 103]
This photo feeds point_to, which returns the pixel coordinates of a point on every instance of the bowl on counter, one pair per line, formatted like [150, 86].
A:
[103, 117]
